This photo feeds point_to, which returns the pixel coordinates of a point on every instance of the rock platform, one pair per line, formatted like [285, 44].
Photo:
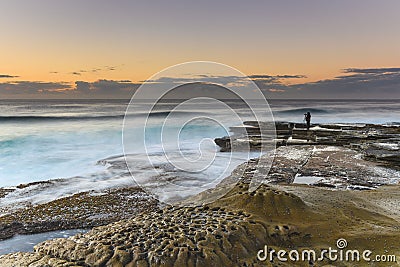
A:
[376, 142]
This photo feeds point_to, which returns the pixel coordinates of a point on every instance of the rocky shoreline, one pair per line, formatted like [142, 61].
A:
[377, 142]
[81, 210]
[356, 196]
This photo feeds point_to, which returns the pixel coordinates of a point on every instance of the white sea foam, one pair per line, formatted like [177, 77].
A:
[55, 189]
[306, 179]
[388, 146]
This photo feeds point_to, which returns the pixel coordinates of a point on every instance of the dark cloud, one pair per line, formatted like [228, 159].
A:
[33, 89]
[372, 71]
[80, 89]
[93, 70]
[105, 88]
[275, 90]
[356, 83]
[377, 83]
[169, 81]
[261, 76]
[276, 77]
[291, 76]
[273, 84]
[8, 76]
[257, 78]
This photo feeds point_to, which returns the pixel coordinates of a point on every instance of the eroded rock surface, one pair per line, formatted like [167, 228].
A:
[229, 232]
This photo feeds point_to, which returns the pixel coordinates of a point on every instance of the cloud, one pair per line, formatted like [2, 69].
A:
[372, 83]
[79, 89]
[92, 70]
[291, 76]
[372, 71]
[261, 76]
[272, 84]
[105, 88]
[356, 83]
[233, 80]
[274, 90]
[32, 88]
[8, 76]
[276, 77]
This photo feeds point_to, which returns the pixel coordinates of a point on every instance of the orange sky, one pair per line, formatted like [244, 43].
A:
[132, 40]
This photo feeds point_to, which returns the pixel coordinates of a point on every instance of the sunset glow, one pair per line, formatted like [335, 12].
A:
[69, 41]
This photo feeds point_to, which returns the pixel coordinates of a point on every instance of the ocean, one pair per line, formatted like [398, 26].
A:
[78, 143]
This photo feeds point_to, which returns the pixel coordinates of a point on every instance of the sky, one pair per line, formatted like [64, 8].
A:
[292, 49]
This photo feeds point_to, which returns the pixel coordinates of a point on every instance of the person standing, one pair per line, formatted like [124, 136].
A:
[307, 117]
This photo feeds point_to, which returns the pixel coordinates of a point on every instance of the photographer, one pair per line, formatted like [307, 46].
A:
[307, 118]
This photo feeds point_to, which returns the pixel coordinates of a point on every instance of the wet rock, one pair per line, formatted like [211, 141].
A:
[363, 137]
[5, 191]
[82, 210]
[22, 186]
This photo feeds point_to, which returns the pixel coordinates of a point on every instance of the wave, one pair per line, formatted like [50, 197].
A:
[175, 112]
[56, 118]
[23, 118]
[393, 123]
[303, 110]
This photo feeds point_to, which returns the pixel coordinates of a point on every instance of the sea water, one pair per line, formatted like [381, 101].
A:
[25, 243]
[75, 141]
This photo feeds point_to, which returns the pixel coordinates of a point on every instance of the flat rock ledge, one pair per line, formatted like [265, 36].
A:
[377, 142]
